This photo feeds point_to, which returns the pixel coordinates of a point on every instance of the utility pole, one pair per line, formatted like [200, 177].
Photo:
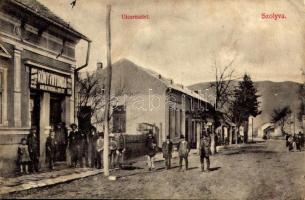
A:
[107, 95]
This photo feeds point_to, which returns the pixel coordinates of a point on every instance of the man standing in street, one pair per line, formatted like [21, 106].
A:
[121, 149]
[151, 146]
[205, 150]
[113, 147]
[99, 147]
[183, 151]
[92, 138]
[33, 149]
[83, 145]
[73, 145]
[167, 148]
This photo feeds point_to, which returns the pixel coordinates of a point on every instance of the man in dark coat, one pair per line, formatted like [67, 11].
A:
[83, 145]
[92, 138]
[51, 149]
[33, 149]
[151, 146]
[121, 149]
[205, 150]
[61, 137]
[74, 148]
[183, 151]
[167, 148]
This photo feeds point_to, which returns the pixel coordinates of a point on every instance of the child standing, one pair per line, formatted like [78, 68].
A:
[23, 156]
[50, 149]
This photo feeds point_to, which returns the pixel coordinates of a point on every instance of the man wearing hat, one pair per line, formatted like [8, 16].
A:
[121, 148]
[74, 147]
[183, 151]
[205, 150]
[167, 148]
[33, 147]
[151, 146]
[113, 147]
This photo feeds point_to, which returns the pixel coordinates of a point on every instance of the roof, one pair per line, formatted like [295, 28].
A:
[42, 11]
[165, 81]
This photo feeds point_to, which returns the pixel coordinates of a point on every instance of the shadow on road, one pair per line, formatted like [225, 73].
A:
[130, 167]
[214, 168]
[249, 151]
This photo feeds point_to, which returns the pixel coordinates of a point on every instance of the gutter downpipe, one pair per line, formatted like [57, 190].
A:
[76, 75]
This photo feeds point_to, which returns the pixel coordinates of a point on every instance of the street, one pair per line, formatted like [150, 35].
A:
[262, 170]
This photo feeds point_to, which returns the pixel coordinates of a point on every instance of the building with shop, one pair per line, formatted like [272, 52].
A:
[144, 100]
[37, 65]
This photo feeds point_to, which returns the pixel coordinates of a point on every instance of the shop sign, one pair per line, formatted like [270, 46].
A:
[50, 82]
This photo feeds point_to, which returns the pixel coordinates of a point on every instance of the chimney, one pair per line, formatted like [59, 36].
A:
[99, 65]
[196, 91]
[159, 76]
[171, 81]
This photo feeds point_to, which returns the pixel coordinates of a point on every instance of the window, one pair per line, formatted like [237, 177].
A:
[119, 119]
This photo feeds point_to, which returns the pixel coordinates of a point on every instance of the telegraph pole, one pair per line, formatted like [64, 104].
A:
[107, 95]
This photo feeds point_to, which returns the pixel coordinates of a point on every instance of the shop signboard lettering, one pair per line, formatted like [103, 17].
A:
[50, 82]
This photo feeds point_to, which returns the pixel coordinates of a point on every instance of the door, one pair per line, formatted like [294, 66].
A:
[35, 112]
[55, 110]
[56, 102]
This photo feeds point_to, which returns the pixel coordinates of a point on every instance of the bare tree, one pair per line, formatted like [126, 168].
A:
[222, 84]
[89, 95]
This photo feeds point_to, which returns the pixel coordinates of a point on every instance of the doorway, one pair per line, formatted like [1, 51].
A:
[57, 124]
[35, 112]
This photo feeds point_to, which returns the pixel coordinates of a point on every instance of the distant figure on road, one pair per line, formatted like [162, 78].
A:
[290, 143]
[301, 136]
[205, 150]
[183, 151]
[167, 148]
[287, 137]
[33, 149]
[121, 149]
[51, 149]
[151, 146]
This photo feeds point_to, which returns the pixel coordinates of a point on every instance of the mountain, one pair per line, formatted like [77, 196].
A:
[273, 95]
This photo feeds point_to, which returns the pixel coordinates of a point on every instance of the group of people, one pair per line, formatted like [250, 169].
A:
[82, 147]
[183, 149]
[295, 142]
[87, 147]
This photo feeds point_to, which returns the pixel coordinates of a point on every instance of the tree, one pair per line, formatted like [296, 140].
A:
[90, 95]
[280, 116]
[222, 84]
[245, 103]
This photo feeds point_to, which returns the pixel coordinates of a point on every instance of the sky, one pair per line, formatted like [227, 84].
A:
[183, 39]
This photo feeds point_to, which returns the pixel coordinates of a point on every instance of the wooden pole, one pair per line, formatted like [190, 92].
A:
[107, 95]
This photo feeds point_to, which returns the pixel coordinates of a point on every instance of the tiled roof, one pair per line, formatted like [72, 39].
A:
[167, 82]
[39, 9]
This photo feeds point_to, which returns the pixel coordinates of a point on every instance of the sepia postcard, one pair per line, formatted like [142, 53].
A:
[154, 99]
